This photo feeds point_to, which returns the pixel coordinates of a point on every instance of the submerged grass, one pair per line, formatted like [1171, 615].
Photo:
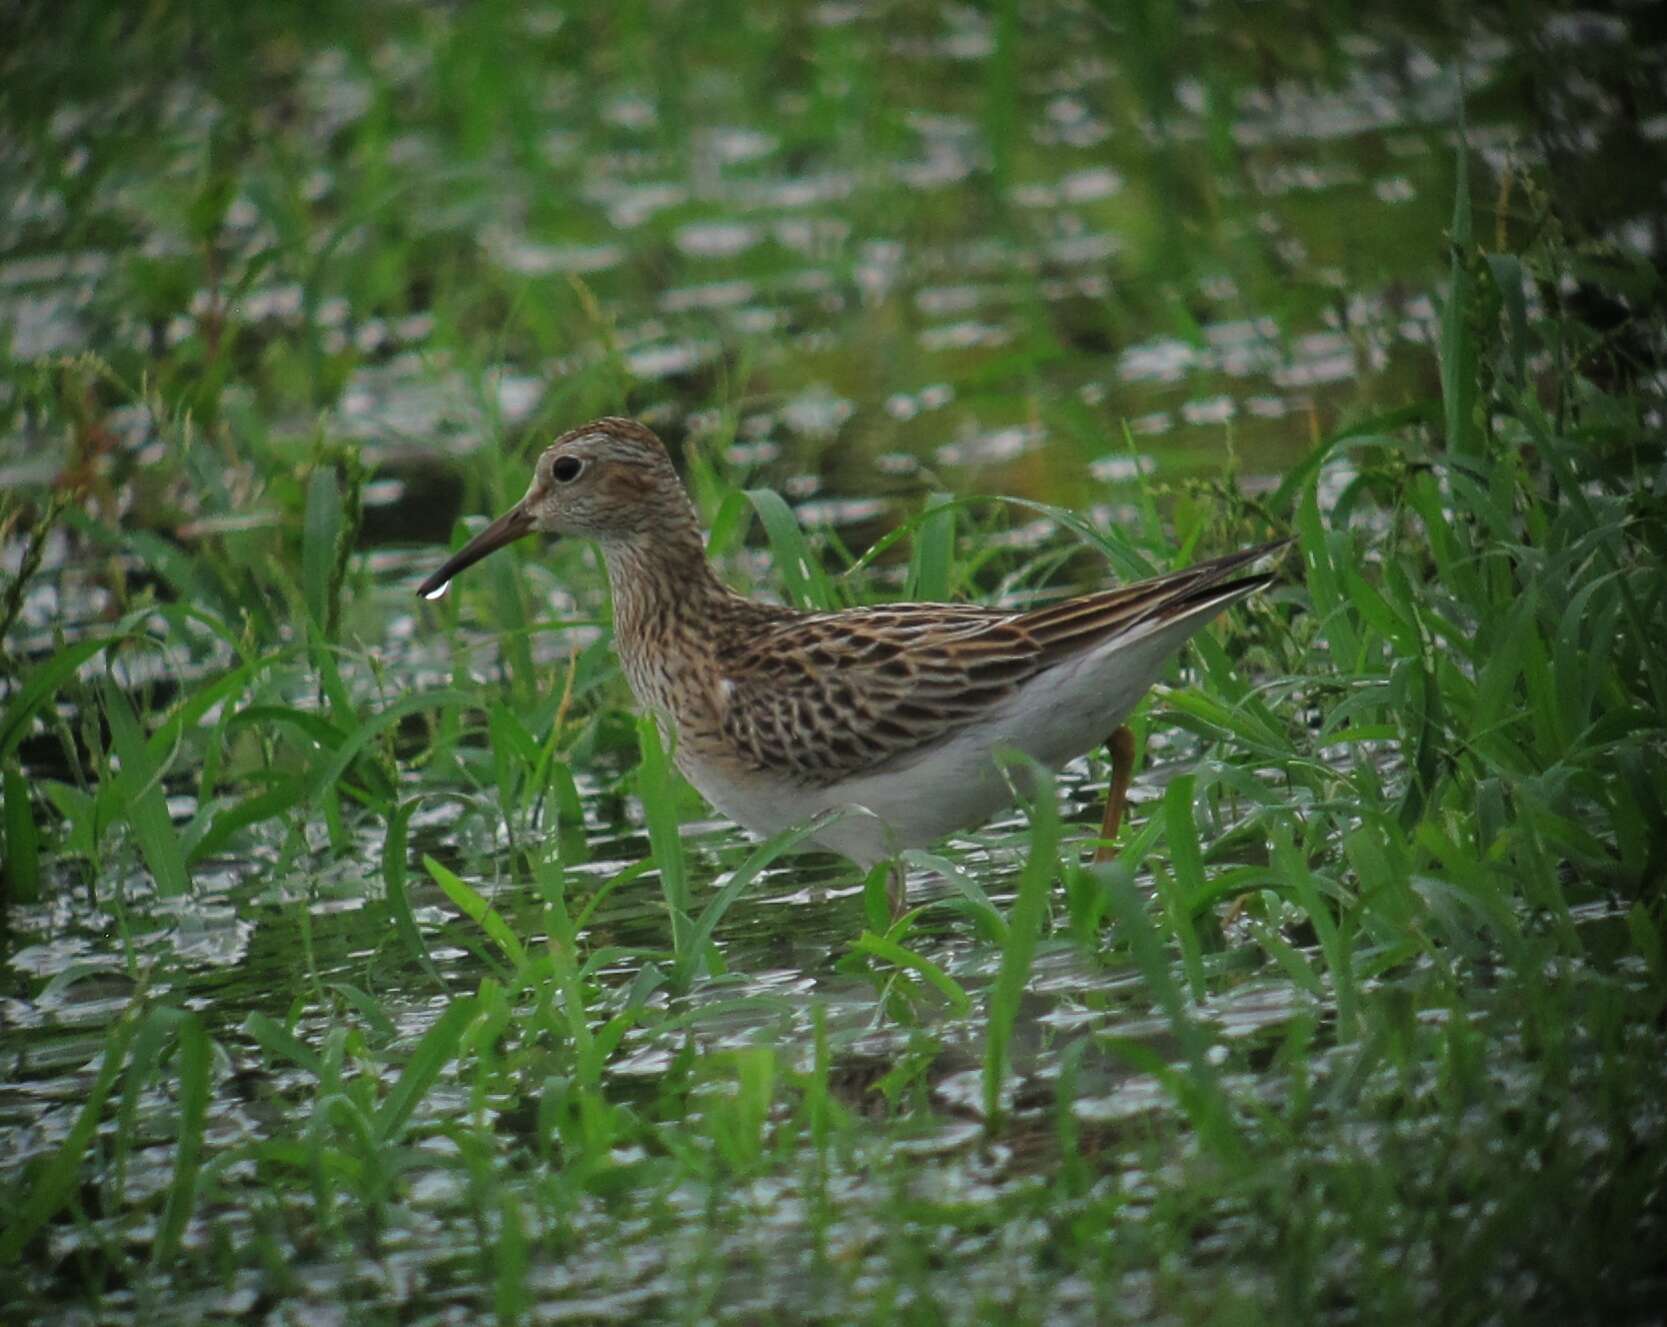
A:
[1363, 1023]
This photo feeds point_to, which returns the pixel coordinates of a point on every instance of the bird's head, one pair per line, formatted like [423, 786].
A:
[609, 480]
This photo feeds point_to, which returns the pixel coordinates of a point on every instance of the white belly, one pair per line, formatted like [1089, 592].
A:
[960, 782]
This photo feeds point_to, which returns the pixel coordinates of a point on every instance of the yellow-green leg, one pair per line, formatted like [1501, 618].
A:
[1120, 747]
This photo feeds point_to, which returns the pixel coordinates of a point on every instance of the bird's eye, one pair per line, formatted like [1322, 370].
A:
[566, 469]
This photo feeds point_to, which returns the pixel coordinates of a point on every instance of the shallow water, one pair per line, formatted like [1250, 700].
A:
[852, 256]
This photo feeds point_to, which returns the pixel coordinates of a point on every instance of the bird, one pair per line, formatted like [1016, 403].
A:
[897, 714]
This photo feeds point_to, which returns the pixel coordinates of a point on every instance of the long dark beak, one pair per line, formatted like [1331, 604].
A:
[509, 527]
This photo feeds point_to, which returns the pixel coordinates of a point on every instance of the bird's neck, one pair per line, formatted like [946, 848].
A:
[661, 583]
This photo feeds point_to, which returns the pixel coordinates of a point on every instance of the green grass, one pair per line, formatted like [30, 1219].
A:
[360, 954]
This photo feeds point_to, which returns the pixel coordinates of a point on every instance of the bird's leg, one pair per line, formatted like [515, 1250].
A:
[897, 890]
[882, 916]
[1120, 747]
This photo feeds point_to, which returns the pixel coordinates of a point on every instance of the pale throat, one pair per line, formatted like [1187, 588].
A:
[661, 582]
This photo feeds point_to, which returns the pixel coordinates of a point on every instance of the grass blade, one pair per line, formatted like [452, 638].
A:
[193, 1063]
[1024, 926]
[744, 875]
[321, 522]
[147, 808]
[883, 947]
[393, 881]
[1458, 340]
[1182, 892]
[433, 1053]
[658, 790]
[1202, 1098]
[279, 1041]
[989, 921]
[52, 1186]
[43, 683]
[473, 906]
[22, 867]
[933, 551]
[1333, 942]
[329, 771]
[801, 570]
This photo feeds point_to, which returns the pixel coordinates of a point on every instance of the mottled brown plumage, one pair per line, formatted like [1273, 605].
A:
[820, 697]
[896, 712]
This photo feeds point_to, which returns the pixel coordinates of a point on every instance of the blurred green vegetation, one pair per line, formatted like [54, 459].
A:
[367, 957]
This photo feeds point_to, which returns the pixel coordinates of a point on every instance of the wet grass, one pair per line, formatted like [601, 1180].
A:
[370, 957]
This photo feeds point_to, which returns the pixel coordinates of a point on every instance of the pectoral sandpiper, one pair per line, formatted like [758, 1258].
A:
[777, 715]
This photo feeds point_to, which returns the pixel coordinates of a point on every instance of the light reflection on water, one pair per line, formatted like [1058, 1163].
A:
[792, 258]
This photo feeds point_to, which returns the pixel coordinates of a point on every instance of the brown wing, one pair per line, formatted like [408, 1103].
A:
[830, 695]
[1076, 624]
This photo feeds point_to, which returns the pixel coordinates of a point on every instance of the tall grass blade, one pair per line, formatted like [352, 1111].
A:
[883, 947]
[1024, 926]
[394, 871]
[279, 1042]
[198, 701]
[58, 1179]
[658, 789]
[286, 793]
[473, 906]
[509, 597]
[141, 792]
[433, 1053]
[21, 869]
[760, 857]
[802, 574]
[43, 684]
[1001, 95]
[933, 551]
[1333, 940]
[1509, 277]
[977, 902]
[1459, 381]
[192, 1066]
[1187, 858]
[510, 1299]
[321, 523]
[329, 771]
[1319, 556]
[1203, 1099]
